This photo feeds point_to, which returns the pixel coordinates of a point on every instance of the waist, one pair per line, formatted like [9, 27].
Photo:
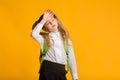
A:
[52, 66]
[56, 59]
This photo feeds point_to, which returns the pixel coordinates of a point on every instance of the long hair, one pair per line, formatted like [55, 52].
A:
[63, 32]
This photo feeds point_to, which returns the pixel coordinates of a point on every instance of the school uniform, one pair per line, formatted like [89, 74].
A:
[53, 66]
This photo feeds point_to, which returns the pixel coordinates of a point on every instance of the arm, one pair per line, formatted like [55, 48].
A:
[73, 67]
[36, 31]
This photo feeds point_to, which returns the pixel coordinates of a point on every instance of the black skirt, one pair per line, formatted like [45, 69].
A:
[52, 71]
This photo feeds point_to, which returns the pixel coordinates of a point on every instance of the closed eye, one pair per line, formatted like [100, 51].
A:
[48, 23]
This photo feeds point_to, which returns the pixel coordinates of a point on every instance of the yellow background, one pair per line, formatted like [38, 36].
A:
[94, 26]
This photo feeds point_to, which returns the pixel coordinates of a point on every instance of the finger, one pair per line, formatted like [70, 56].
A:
[46, 11]
[50, 11]
[51, 14]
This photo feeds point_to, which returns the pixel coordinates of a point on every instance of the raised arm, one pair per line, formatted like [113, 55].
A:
[35, 34]
[39, 24]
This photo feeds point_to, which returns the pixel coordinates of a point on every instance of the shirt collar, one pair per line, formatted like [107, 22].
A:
[54, 34]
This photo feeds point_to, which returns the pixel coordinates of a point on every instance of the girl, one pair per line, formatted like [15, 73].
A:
[56, 48]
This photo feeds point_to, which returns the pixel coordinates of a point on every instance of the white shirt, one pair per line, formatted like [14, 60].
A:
[57, 52]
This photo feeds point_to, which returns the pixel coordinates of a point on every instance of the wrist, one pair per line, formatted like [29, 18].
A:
[43, 21]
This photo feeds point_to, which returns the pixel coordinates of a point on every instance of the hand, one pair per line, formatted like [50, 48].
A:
[48, 14]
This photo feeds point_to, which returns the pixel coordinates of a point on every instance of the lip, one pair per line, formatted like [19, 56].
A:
[53, 25]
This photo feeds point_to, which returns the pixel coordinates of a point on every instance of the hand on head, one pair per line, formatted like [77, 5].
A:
[48, 14]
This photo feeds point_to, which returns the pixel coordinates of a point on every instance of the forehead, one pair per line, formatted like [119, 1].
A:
[51, 19]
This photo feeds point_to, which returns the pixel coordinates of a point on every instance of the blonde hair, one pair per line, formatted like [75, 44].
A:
[63, 32]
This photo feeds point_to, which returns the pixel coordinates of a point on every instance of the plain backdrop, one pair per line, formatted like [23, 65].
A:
[94, 27]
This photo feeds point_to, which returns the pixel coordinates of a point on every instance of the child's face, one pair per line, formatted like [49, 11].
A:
[52, 25]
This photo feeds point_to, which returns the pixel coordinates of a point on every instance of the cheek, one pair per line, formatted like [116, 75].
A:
[56, 22]
[48, 27]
